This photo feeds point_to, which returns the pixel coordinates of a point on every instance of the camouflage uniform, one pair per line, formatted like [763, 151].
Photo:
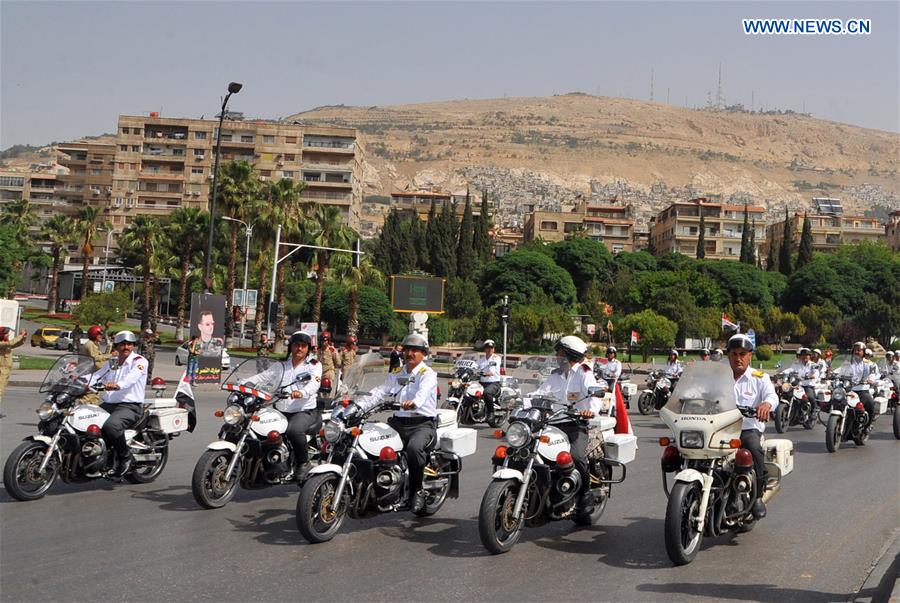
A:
[6, 363]
[330, 359]
[93, 350]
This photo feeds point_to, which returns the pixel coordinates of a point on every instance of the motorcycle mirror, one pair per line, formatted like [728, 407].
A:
[778, 365]
[597, 390]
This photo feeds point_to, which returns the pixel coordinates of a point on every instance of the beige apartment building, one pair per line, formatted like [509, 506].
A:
[677, 228]
[892, 231]
[612, 224]
[829, 231]
[37, 183]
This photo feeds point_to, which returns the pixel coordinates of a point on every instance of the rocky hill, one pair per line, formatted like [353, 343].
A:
[550, 150]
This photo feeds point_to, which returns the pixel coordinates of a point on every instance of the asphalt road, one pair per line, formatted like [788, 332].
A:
[100, 541]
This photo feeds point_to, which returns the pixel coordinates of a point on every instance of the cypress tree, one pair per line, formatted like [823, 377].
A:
[784, 254]
[444, 261]
[481, 239]
[465, 251]
[770, 258]
[753, 259]
[432, 234]
[701, 241]
[406, 250]
[804, 255]
[746, 251]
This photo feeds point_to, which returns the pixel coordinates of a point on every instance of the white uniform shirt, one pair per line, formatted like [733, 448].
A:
[421, 388]
[611, 371]
[309, 388]
[130, 376]
[823, 367]
[859, 371]
[874, 371]
[570, 386]
[490, 366]
[674, 369]
[893, 368]
[808, 372]
[752, 389]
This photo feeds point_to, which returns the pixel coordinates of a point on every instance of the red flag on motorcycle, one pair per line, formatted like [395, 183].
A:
[623, 425]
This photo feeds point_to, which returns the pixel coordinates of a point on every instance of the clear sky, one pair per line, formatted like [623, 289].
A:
[68, 69]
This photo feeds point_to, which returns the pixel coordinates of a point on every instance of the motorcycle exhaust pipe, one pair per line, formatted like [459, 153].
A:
[743, 483]
[92, 449]
[569, 484]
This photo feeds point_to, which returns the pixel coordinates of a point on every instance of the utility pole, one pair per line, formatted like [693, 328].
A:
[504, 316]
[651, 84]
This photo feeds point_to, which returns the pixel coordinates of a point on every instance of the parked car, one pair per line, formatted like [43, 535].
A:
[64, 341]
[181, 356]
[45, 337]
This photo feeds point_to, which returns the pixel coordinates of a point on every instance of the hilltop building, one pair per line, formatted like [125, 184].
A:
[677, 228]
[612, 224]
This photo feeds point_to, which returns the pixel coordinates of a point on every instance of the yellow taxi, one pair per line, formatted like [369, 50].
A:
[45, 337]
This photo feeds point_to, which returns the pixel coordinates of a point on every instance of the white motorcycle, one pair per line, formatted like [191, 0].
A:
[715, 485]
[70, 445]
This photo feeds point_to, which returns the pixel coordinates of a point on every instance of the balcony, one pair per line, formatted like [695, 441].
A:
[328, 146]
[161, 156]
[166, 137]
[160, 175]
[309, 195]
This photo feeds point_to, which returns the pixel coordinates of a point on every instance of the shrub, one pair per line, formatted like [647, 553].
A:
[764, 352]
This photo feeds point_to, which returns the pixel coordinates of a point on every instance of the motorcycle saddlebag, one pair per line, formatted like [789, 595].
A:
[629, 389]
[621, 447]
[169, 420]
[781, 453]
[446, 417]
[460, 441]
[881, 405]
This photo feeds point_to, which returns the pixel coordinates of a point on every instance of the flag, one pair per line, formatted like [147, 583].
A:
[727, 324]
[609, 325]
[635, 338]
[623, 425]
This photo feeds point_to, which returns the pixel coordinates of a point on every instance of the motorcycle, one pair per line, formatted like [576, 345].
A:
[847, 417]
[794, 407]
[366, 471]
[656, 394]
[251, 451]
[70, 445]
[466, 395]
[715, 485]
[627, 388]
[535, 479]
[893, 406]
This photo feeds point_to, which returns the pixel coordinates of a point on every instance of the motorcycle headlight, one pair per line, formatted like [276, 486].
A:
[234, 398]
[838, 395]
[786, 387]
[233, 414]
[46, 410]
[692, 439]
[518, 434]
[333, 431]
[664, 382]
[454, 384]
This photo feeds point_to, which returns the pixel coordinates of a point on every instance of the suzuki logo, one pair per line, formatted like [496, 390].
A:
[382, 437]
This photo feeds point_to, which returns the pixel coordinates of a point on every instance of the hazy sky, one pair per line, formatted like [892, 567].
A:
[69, 69]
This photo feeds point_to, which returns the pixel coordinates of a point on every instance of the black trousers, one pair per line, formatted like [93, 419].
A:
[491, 395]
[578, 441]
[299, 425]
[419, 436]
[750, 441]
[866, 398]
[121, 417]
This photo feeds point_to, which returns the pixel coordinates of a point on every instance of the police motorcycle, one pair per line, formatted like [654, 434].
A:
[847, 417]
[252, 451]
[715, 485]
[365, 472]
[656, 392]
[70, 445]
[466, 395]
[535, 480]
[794, 407]
[627, 388]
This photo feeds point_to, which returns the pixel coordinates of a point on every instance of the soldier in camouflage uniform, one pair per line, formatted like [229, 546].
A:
[329, 357]
[93, 348]
[6, 348]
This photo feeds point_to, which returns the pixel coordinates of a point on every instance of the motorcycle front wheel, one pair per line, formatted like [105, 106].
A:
[315, 519]
[682, 538]
[833, 433]
[498, 529]
[860, 439]
[144, 472]
[782, 416]
[208, 484]
[645, 403]
[21, 476]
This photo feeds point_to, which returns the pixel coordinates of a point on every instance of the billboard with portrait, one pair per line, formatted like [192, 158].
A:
[207, 338]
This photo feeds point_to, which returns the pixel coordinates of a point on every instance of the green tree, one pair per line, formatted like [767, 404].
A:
[754, 259]
[701, 240]
[639, 261]
[782, 325]
[443, 260]
[375, 312]
[328, 230]
[19, 216]
[746, 246]
[819, 321]
[804, 255]
[655, 331]
[530, 323]
[354, 279]
[465, 251]
[587, 261]
[88, 221]
[771, 264]
[481, 240]
[12, 251]
[784, 254]
[144, 235]
[60, 231]
[462, 298]
[104, 308]
[186, 228]
[748, 315]
[524, 275]
[878, 318]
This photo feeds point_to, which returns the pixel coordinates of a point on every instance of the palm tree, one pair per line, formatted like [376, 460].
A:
[20, 217]
[327, 230]
[87, 223]
[186, 228]
[354, 278]
[60, 231]
[144, 234]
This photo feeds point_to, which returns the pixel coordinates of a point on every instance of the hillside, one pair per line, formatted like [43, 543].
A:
[552, 149]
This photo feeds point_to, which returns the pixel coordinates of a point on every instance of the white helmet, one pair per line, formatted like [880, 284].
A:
[859, 345]
[817, 352]
[489, 343]
[415, 340]
[673, 352]
[889, 354]
[124, 336]
[573, 347]
[740, 341]
[869, 353]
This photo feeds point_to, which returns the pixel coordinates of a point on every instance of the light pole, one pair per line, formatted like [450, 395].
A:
[233, 88]
[105, 258]
[248, 229]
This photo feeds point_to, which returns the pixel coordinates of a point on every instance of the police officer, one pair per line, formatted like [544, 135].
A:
[612, 370]
[717, 355]
[704, 355]
[92, 348]
[808, 372]
[861, 374]
[300, 405]
[819, 361]
[892, 369]
[870, 359]
[569, 384]
[124, 379]
[415, 385]
[674, 368]
[752, 389]
[489, 368]
[329, 357]
[6, 348]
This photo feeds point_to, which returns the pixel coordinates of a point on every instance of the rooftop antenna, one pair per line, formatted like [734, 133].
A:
[651, 84]
[667, 95]
[720, 97]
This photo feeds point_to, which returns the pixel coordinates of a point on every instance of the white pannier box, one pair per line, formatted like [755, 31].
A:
[629, 389]
[446, 417]
[621, 447]
[460, 441]
[169, 420]
[780, 452]
[881, 405]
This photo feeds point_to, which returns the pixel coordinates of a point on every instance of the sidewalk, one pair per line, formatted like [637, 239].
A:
[883, 583]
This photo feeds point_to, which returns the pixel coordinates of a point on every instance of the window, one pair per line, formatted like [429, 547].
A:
[123, 148]
[126, 130]
[266, 173]
[137, 131]
[197, 170]
[135, 148]
[11, 181]
[618, 248]
[547, 225]
[287, 174]
[226, 137]
[199, 135]
[290, 157]
[95, 172]
[290, 140]
[246, 138]
[268, 139]
[195, 187]
[572, 227]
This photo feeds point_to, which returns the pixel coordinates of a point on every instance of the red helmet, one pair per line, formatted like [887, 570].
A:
[95, 332]
[326, 335]
[3, 332]
[351, 340]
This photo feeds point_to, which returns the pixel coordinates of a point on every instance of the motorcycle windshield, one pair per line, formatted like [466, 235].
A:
[70, 374]
[705, 388]
[260, 377]
[368, 364]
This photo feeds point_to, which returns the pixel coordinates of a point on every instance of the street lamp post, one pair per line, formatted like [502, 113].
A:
[248, 230]
[233, 88]
[105, 258]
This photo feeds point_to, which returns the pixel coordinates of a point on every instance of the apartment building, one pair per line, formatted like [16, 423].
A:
[829, 231]
[677, 228]
[36, 183]
[612, 224]
[892, 231]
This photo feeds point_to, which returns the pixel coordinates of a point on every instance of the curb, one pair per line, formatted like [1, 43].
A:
[882, 585]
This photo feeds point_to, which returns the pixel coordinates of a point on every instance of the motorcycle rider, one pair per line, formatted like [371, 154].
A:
[892, 368]
[808, 372]
[415, 384]
[612, 370]
[704, 355]
[569, 384]
[124, 379]
[818, 360]
[489, 376]
[861, 373]
[870, 358]
[717, 355]
[752, 389]
[674, 368]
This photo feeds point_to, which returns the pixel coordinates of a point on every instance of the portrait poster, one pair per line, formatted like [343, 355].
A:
[207, 338]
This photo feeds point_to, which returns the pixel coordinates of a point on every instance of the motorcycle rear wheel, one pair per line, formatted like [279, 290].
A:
[645, 403]
[833, 432]
[499, 418]
[499, 531]
[314, 519]
[144, 472]
[781, 418]
[682, 538]
[20, 472]
[208, 484]
[434, 500]
[897, 423]
[589, 519]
